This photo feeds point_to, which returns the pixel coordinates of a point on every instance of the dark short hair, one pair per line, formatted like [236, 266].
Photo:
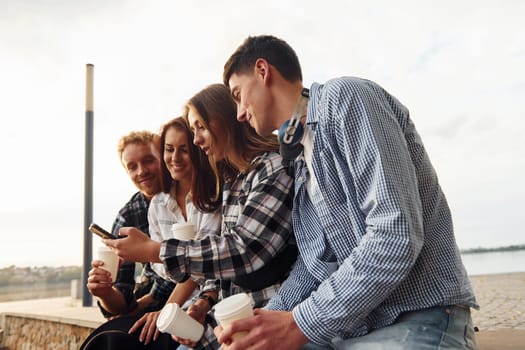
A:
[274, 50]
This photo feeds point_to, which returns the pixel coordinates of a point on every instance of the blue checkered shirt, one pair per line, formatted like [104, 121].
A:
[375, 235]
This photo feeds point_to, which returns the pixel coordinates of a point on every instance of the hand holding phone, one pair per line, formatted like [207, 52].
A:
[99, 231]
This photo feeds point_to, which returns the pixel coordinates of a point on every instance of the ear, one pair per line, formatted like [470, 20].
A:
[262, 70]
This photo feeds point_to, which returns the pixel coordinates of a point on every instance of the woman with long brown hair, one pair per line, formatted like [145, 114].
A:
[256, 248]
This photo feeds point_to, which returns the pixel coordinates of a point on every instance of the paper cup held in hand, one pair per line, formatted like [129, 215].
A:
[173, 320]
[110, 259]
[232, 308]
[183, 231]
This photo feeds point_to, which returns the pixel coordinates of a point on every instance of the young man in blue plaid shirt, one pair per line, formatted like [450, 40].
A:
[378, 264]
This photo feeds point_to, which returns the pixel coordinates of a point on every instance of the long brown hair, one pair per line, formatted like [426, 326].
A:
[215, 105]
[203, 192]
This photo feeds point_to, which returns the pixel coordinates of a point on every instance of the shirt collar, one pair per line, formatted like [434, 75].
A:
[311, 115]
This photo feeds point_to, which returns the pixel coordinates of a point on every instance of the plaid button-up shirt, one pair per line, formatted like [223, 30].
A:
[256, 226]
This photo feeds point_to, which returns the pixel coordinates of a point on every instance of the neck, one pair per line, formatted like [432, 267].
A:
[183, 187]
[288, 99]
[148, 197]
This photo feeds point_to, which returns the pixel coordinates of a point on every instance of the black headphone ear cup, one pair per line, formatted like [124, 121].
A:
[289, 153]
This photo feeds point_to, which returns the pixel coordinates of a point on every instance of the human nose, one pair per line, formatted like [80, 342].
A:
[197, 138]
[142, 169]
[241, 113]
[175, 156]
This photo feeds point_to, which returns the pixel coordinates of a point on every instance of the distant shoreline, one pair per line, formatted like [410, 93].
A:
[509, 248]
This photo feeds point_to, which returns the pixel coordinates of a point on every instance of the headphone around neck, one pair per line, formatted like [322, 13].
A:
[291, 133]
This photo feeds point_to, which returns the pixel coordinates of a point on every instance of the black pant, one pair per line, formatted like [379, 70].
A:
[113, 335]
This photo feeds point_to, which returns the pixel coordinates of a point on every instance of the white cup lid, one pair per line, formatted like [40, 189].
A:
[166, 315]
[179, 225]
[232, 305]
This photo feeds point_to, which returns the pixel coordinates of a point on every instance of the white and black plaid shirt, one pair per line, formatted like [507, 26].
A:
[256, 226]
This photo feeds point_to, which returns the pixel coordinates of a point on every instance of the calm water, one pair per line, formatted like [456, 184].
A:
[494, 262]
[476, 264]
[38, 291]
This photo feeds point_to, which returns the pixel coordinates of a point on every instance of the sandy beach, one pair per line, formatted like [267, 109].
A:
[501, 319]
[502, 301]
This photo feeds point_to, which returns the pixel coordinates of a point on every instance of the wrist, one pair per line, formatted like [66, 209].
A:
[211, 301]
[295, 330]
[154, 251]
[145, 300]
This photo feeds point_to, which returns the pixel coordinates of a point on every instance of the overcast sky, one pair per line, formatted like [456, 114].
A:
[459, 66]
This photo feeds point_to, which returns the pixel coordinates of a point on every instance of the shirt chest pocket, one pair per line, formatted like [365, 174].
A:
[234, 208]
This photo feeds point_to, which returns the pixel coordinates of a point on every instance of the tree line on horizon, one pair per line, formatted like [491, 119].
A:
[508, 248]
[14, 275]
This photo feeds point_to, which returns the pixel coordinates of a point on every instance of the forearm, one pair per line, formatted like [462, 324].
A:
[182, 292]
[226, 257]
[144, 302]
[113, 302]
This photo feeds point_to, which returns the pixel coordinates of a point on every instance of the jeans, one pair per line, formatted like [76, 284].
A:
[442, 327]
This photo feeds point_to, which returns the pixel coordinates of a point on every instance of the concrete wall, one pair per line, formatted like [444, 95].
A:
[22, 332]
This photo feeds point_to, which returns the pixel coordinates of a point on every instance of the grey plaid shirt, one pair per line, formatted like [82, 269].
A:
[256, 226]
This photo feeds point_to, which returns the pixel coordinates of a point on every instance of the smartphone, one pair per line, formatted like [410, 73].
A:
[99, 231]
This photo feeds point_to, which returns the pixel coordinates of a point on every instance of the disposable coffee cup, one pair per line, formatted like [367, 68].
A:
[173, 320]
[233, 308]
[110, 259]
[183, 231]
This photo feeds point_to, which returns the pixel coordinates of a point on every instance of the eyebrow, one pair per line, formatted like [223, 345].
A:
[233, 91]
[195, 122]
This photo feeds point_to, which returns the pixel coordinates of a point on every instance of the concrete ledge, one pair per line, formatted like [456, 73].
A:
[62, 308]
[57, 319]
[22, 331]
[501, 339]
[41, 324]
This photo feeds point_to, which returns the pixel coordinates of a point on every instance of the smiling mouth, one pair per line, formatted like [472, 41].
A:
[146, 179]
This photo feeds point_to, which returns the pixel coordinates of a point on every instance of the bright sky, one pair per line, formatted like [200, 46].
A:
[459, 66]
